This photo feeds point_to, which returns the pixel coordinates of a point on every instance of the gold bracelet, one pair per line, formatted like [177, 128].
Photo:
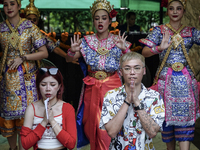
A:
[23, 58]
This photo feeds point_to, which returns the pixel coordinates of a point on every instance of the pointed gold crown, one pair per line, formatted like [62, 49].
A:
[31, 9]
[101, 4]
[18, 1]
[183, 2]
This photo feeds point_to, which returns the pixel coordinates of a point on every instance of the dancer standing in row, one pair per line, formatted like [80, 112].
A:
[101, 53]
[175, 77]
[17, 69]
[33, 14]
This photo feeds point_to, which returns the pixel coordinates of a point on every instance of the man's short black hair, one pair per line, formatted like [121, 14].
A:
[129, 14]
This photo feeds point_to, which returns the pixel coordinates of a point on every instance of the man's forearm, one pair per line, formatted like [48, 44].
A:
[115, 124]
[148, 124]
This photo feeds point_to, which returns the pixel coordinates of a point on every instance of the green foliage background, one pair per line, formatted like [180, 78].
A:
[72, 21]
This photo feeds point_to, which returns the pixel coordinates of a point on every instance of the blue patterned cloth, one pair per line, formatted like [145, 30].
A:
[178, 89]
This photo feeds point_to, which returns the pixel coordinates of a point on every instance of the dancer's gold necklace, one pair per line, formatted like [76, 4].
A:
[103, 50]
[14, 38]
[176, 38]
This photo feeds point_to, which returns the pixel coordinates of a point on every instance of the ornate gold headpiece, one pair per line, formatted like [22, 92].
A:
[101, 4]
[18, 1]
[183, 2]
[31, 9]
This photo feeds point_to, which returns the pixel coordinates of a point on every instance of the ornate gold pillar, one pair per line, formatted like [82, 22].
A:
[191, 18]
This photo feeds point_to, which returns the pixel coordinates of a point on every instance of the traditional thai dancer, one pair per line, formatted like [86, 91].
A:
[175, 78]
[101, 52]
[33, 14]
[17, 69]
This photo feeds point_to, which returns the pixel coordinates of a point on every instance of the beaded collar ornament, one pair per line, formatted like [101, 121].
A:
[31, 9]
[165, 3]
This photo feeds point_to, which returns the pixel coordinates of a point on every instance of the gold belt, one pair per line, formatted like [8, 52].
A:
[100, 75]
[177, 66]
[28, 76]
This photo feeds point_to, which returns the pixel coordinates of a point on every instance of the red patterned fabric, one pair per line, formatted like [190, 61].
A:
[93, 101]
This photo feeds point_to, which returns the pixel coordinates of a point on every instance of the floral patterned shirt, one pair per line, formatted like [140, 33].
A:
[132, 135]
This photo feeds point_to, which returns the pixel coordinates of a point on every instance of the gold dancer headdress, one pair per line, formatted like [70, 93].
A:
[18, 1]
[101, 4]
[165, 3]
[31, 9]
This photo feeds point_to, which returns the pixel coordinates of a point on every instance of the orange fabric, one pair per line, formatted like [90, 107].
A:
[8, 127]
[93, 101]
[64, 46]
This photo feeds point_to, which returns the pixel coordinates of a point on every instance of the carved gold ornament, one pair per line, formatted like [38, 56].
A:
[101, 4]
[31, 9]
[102, 51]
[183, 2]
[100, 75]
[177, 66]
[177, 39]
[14, 39]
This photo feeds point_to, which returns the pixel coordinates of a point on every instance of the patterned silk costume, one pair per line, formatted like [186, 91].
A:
[176, 82]
[101, 67]
[17, 87]
[50, 44]
[32, 10]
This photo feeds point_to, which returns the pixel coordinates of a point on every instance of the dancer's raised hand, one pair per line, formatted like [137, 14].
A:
[75, 44]
[120, 42]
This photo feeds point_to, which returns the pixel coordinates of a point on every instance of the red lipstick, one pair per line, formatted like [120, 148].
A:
[100, 27]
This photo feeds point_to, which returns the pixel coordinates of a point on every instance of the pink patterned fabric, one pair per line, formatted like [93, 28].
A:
[109, 43]
[186, 106]
[186, 32]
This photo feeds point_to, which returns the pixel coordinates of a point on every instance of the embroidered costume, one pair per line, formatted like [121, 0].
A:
[17, 87]
[132, 135]
[50, 44]
[176, 81]
[32, 10]
[102, 58]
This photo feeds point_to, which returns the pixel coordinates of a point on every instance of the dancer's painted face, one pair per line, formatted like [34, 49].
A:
[11, 8]
[175, 11]
[33, 18]
[101, 21]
